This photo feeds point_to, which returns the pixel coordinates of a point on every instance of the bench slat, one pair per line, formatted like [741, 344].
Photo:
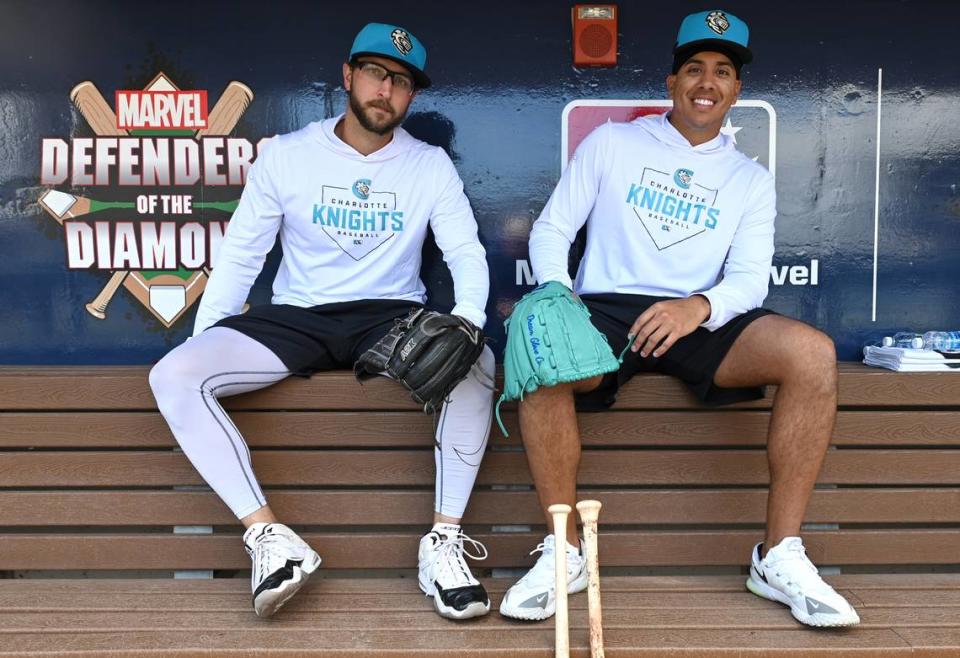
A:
[743, 611]
[126, 387]
[394, 550]
[147, 429]
[933, 642]
[364, 507]
[398, 429]
[48, 591]
[528, 640]
[410, 468]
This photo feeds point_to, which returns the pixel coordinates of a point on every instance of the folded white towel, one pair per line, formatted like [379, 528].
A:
[908, 360]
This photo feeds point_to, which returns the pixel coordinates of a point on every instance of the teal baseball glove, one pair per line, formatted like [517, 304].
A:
[550, 340]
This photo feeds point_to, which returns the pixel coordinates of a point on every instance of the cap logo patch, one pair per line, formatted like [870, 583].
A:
[401, 41]
[716, 21]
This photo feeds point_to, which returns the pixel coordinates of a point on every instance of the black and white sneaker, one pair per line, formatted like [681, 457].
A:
[445, 576]
[282, 563]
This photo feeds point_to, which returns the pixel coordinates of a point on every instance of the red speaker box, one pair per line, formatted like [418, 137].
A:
[594, 35]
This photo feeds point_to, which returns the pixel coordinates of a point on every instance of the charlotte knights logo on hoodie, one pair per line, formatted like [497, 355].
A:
[358, 218]
[673, 208]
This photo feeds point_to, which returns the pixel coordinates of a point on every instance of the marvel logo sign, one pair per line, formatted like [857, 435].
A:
[161, 110]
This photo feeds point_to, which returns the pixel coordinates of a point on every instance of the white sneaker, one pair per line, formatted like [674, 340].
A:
[534, 595]
[786, 575]
[445, 576]
[282, 562]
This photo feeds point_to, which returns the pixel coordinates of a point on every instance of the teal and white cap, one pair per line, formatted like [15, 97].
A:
[394, 43]
[717, 30]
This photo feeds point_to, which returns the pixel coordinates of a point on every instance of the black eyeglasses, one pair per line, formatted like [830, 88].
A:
[378, 74]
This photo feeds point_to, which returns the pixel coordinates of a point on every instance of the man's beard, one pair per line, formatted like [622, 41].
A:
[367, 121]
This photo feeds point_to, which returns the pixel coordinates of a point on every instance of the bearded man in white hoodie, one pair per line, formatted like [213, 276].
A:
[679, 245]
[351, 198]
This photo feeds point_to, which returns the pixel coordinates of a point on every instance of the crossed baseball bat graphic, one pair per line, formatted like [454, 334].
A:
[91, 104]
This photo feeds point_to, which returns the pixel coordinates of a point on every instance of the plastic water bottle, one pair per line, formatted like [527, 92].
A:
[942, 341]
[906, 339]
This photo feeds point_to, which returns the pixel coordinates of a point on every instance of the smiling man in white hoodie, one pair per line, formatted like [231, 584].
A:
[679, 245]
[351, 199]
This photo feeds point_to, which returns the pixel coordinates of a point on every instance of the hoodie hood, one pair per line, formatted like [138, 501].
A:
[323, 132]
[660, 127]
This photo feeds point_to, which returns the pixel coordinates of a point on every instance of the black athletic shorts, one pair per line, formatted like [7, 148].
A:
[694, 359]
[324, 337]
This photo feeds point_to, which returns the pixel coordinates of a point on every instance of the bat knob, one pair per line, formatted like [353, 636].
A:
[95, 312]
[76, 90]
[589, 506]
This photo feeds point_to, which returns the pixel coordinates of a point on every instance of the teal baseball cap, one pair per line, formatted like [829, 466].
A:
[716, 30]
[394, 43]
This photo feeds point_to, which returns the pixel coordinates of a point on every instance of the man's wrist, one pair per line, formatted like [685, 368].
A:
[473, 315]
[706, 308]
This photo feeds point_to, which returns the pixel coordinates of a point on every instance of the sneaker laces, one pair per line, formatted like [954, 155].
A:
[274, 548]
[452, 549]
[544, 563]
[803, 573]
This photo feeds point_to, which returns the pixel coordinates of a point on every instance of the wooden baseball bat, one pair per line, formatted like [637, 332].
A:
[589, 513]
[226, 113]
[98, 307]
[95, 110]
[560, 512]
[100, 116]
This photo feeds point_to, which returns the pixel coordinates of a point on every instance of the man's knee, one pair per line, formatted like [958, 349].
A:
[587, 385]
[475, 392]
[172, 374]
[563, 389]
[161, 377]
[813, 356]
[487, 363]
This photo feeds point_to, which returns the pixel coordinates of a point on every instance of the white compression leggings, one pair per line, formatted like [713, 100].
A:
[221, 362]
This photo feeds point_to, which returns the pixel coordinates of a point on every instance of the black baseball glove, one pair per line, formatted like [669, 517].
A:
[428, 352]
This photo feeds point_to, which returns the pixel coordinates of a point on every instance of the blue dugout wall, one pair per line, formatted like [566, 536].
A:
[503, 75]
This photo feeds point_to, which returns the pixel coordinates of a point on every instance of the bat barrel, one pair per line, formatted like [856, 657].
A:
[560, 513]
[589, 514]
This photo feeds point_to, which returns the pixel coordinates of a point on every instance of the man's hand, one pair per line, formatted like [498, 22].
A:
[666, 322]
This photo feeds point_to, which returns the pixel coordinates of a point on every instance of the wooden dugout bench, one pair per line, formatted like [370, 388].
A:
[98, 512]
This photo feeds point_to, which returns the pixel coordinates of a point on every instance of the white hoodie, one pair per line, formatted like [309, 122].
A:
[351, 226]
[665, 219]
